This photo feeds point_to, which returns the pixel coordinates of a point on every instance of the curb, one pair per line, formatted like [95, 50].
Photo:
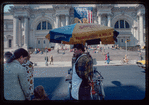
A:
[68, 64]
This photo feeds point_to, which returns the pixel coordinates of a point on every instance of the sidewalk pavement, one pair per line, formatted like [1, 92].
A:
[99, 63]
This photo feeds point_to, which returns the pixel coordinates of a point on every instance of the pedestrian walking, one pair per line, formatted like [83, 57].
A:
[126, 59]
[51, 59]
[40, 94]
[100, 49]
[35, 50]
[108, 58]
[58, 50]
[46, 60]
[140, 56]
[117, 47]
[7, 55]
[139, 50]
[41, 52]
[103, 51]
[82, 74]
[38, 50]
[46, 50]
[29, 71]
[30, 52]
[63, 51]
[16, 86]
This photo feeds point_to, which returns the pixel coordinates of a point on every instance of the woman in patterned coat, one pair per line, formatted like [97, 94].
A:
[29, 71]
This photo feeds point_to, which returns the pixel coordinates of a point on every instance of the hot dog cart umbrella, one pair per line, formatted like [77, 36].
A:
[81, 33]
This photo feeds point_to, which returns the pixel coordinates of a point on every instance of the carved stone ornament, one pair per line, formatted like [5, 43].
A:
[134, 14]
[123, 12]
[32, 16]
[43, 14]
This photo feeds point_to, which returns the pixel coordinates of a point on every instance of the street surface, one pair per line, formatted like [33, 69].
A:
[125, 82]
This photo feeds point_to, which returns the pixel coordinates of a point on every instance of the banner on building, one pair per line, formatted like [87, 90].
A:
[83, 14]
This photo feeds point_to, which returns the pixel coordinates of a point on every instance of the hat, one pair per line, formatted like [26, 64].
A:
[79, 46]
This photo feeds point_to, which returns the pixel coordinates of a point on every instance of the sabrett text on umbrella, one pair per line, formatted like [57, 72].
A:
[91, 26]
[58, 36]
[88, 37]
[94, 36]
[105, 34]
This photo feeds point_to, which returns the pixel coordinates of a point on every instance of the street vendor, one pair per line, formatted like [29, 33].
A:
[82, 74]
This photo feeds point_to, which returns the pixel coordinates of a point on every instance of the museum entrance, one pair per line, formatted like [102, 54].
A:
[121, 41]
[42, 43]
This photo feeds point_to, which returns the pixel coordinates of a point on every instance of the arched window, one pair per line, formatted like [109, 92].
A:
[44, 25]
[121, 24]
[38, 41]
[39, 26]
[49, 26]
[10, 43]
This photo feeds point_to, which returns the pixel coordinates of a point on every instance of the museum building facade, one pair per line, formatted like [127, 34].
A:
[26, 25]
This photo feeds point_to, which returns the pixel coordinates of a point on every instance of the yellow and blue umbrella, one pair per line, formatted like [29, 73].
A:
[81, 33]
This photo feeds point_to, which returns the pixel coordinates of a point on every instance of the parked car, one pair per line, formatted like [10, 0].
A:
[144, 47]
[141, 63]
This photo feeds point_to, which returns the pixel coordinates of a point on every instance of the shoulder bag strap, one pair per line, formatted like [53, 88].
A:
[21, 87]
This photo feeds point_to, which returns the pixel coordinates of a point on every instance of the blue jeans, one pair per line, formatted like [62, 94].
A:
[108, 61]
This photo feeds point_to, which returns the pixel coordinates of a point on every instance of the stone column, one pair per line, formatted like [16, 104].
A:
[20, 33]
[35, 42]
[67, 19]
[15, 31]
[135, 35]
[57, 21]
[62, 21]
[141, 29]
[109, 20]
[26, 32]
[99, 19]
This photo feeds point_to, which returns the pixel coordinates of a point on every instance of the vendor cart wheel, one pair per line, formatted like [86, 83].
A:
[100, 92]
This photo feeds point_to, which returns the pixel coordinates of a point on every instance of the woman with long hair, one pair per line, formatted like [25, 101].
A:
[16, 86]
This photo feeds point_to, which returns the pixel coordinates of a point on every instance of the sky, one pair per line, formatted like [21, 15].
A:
[6, 7]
